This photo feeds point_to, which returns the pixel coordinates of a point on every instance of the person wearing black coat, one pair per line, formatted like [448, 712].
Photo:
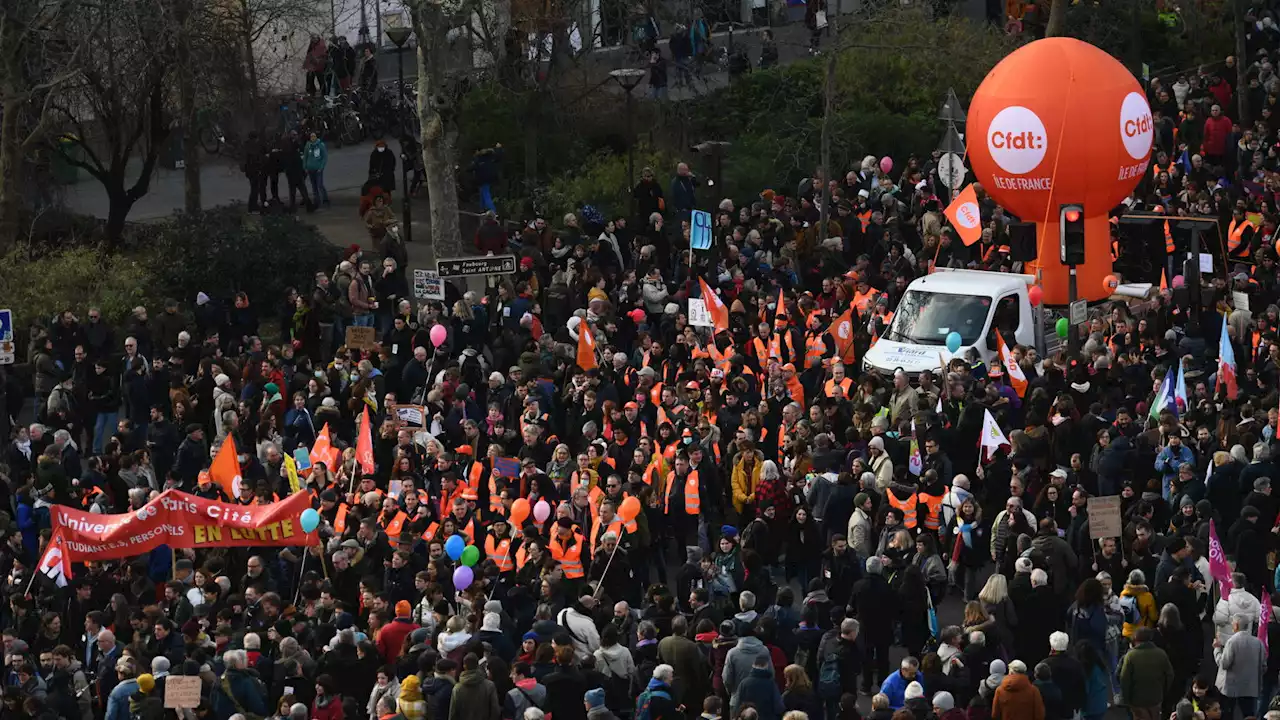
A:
[565, 688]
[875, 605]
[1250, 543]
[1040, 614]
[382, 171]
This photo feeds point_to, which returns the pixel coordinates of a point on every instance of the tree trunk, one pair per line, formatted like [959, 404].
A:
[119, 203]
[187, 93]
[1057, 25]
[1242, 60]
[437, 135]
[10, 176]
[250, 65]
[828, 103]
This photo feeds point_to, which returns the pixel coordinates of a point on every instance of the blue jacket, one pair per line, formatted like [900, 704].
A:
[1097, 693]
[118, 701]
[760, 689]
[895, 688]
[315, 156]
[1168, 462]
[244, 687]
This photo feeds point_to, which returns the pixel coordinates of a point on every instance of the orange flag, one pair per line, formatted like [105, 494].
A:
[586, 347]
[225, 470]
[842, 331]
[965, 216]
[364, 444]
[1017, 378]
[323, 450]
[782, 306]
[715, 306]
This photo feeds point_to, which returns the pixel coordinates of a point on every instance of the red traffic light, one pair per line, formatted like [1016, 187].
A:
[1072, 215]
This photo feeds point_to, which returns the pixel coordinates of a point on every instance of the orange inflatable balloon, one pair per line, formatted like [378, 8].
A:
[519, 511]
[629, 509]
[1060, 122]
[1110, 283]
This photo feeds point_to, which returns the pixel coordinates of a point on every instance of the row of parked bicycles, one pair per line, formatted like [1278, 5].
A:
[346, 118]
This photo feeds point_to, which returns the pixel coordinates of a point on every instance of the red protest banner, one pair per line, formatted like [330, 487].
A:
[180, 520]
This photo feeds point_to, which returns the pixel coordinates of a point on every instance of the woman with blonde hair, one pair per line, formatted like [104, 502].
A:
[994, 598]
[798, 694]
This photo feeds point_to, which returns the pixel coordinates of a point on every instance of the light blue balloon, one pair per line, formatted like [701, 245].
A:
[310, 520]
[454, 546]
[953, 341]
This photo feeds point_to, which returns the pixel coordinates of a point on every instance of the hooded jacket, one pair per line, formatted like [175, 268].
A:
[737, 664]
[1241, 602]
[1017, 699]
[474, 698]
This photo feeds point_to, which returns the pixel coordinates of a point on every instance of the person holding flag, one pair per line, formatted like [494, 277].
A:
[1226, 364]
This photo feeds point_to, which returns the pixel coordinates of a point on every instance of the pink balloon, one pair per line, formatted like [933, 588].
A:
[439, 335]
[541, 511]
[1035, 295]
[886, 164]
[1179, 281]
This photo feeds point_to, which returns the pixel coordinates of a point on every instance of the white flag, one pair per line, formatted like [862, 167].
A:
[992, 436]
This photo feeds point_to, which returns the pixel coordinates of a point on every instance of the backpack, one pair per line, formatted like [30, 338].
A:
[643, 703]
[829, 685]
[1129, 609]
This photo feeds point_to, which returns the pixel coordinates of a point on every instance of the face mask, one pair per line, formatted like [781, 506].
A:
[382, 149]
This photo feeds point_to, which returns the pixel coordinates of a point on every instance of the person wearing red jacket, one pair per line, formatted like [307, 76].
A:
[1217, 129]
[391, 636]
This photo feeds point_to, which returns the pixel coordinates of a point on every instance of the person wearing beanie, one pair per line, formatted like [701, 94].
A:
[392, 636]
[996, 672]
[593, 701]
[915, 702]
[145, 703]
[944, 707]
[411, 704]
[491, 632]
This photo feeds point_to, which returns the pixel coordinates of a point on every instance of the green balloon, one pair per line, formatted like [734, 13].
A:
[471, 556]
[1063, 327]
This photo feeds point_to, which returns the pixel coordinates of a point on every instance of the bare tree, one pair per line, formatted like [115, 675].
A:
[1057, 25]
[36, 61]
[436, 110]
[115, 111]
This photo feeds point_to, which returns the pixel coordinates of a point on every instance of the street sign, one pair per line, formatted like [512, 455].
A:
[951, 110]
[477, 265]
[952, 142]
[1079, 312]
[7, 356]
[427, 285]
[951, 170]
[700, 230]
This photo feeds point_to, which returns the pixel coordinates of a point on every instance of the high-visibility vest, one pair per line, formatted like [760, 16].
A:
[570, 558]
[1169, 247]
[1156, 169]
[846, 385]
[1235, 238]
[655, 394]
[908, 508]
[393, 528]
[762, 352]
[779, 339]
[500, 553]
[862, 301]
[782, 437]
[814, 349]
[865, 218]
[521, 557]
[615, 527]
[932, 520]
[468, 531]
[430, 533]
[796, 390]
[692, 504]
[340, 520]
[575, 480]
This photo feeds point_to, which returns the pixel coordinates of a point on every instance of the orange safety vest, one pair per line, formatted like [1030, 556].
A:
[908, 508]
[1169, 247]
[865, 218]
[593, 479]
[500, 553]
[1235, 234]
[615, 527]
[692, 504]
[521, 557]
[762, 352]
[796, 390]
[846, 385]
[776, 343]
[340, 520]
[467, 531]
[570, 558]
[814, 349]
[430, 533]
[655, 394]
[933, 519]
[394, 527]
[862, 300]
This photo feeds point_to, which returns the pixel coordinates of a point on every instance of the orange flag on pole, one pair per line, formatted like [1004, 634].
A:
[225, 470]
[1017, 378]
[715, 306]
[965, 216]
[842, 331]
[323, 451]
[586, 347]
[364, 444]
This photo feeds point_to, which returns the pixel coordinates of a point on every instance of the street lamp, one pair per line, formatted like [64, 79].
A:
[399, 36]
[629, 78]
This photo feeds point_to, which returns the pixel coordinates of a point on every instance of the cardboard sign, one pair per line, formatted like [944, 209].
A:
[506, 467]
[699, 316]
[427, 285]
[1240, 300]
[414, 415]
[181, 692]
[362, 338]
[1104, 517]
[1206, 263]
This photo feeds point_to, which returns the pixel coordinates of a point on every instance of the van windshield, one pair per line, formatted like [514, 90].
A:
[926, 318]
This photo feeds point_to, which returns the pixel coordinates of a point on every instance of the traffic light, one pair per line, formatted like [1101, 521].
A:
[1071, 234]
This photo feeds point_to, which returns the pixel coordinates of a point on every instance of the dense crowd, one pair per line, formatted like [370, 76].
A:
[674, 521]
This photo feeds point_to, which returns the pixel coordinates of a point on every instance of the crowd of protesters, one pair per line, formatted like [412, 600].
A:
[706, 524]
